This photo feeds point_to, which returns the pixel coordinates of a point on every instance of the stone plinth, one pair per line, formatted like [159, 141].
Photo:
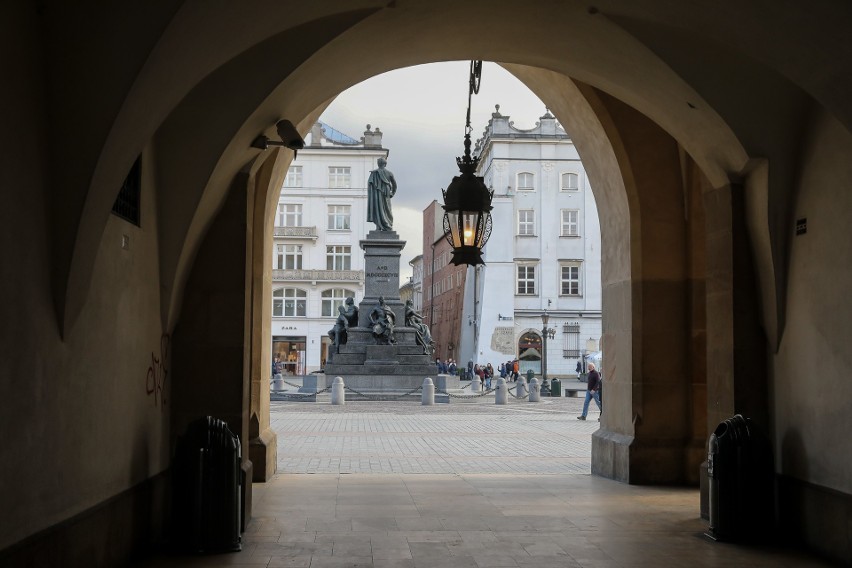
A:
[364, 364]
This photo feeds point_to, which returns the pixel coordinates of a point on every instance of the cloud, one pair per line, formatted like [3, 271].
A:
[421, 111]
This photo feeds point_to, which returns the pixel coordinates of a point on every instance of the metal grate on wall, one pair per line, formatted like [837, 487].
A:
[126, 204]
[571, 347]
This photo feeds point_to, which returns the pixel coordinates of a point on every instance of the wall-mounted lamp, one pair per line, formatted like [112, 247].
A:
[290, 138]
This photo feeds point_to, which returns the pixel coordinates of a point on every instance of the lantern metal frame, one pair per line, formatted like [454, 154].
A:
[467, 201]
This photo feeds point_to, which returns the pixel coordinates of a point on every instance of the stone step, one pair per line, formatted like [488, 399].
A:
[383, 351]
[379, 369]
[346, 359]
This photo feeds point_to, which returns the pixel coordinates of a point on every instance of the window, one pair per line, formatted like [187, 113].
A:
[526, 222]
[570, 182]
[294, 177]
[570, 279]
[334, 298]
[127, 203]
[288, 257]
[570, 223]
[571, 348]
[338, 217]
[526, 280]
[338, 257]
[525, 181]
[289, 215]
[289, 302]
[338, 177]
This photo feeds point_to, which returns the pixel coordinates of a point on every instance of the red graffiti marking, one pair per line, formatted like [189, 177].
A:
[155, 381]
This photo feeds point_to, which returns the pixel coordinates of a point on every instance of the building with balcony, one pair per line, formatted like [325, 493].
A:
[317, 263]
[543, 254]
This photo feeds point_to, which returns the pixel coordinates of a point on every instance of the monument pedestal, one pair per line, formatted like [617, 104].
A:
[364, 364]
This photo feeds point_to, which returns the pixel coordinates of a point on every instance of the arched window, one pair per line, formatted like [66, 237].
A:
[289, 302]
[333, 298]
[570, 182]
[529, 352]
[525, 181]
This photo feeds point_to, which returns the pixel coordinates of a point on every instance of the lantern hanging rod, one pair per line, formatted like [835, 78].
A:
[473, 83]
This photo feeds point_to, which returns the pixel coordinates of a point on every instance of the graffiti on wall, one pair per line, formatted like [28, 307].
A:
[155, 380]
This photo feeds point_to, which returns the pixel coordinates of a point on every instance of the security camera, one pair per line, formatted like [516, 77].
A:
[290, 138]
[289, 135]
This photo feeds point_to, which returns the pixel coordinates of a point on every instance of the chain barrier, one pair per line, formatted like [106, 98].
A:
[291, 384]
[301, 395]
[382, 397]
[465, 396]
[516, 396]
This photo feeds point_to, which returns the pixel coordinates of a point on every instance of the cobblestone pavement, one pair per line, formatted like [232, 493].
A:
[467, 437]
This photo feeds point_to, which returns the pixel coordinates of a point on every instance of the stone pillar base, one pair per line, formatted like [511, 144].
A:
[628, 460]
[263, 453]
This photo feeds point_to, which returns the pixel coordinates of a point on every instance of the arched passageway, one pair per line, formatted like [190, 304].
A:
[707, 132]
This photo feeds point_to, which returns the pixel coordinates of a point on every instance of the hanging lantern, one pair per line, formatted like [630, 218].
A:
[467, 202]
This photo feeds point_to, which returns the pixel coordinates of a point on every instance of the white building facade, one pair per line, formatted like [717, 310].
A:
[543, 257]
[317, 261]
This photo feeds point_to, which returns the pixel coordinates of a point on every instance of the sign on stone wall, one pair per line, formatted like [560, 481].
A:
[503, 340]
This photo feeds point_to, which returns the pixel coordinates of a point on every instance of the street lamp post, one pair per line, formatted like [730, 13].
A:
[546, 332]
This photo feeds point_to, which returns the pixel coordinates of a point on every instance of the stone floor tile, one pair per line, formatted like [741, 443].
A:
[445, 562]
[419, 523]
[352, 548]
[428, 549]
[393, 563]
[290, 562]
[391, 553]
[342, 562]
[328, 525]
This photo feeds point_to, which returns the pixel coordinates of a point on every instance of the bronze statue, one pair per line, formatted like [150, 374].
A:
[351, 312]
[381, 186]
[421, 330]
[383, 320]
[339, 334]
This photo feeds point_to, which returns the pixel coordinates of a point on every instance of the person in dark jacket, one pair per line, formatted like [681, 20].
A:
[594, 391]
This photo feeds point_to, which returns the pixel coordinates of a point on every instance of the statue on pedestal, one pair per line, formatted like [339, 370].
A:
[383, 320]
[381, 186]
[339, 334]
[422, 334]
[347, 317]
[351, 312]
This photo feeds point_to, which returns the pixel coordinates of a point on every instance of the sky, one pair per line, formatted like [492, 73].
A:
[421, 112]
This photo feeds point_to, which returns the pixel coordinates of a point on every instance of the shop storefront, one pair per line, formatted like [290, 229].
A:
[291, 351]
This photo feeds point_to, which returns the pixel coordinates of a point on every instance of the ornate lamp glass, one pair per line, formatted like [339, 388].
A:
[467, 214]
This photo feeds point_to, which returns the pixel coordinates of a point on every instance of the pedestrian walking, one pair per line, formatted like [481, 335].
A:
[593, 385]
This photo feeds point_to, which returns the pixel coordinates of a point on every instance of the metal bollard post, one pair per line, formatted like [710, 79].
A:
[475, 385]
[522, 389]
[338, 392]
[428, 396]
[502, 394]
[535, 391]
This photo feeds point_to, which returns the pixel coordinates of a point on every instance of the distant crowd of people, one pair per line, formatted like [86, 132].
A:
[485, 373]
